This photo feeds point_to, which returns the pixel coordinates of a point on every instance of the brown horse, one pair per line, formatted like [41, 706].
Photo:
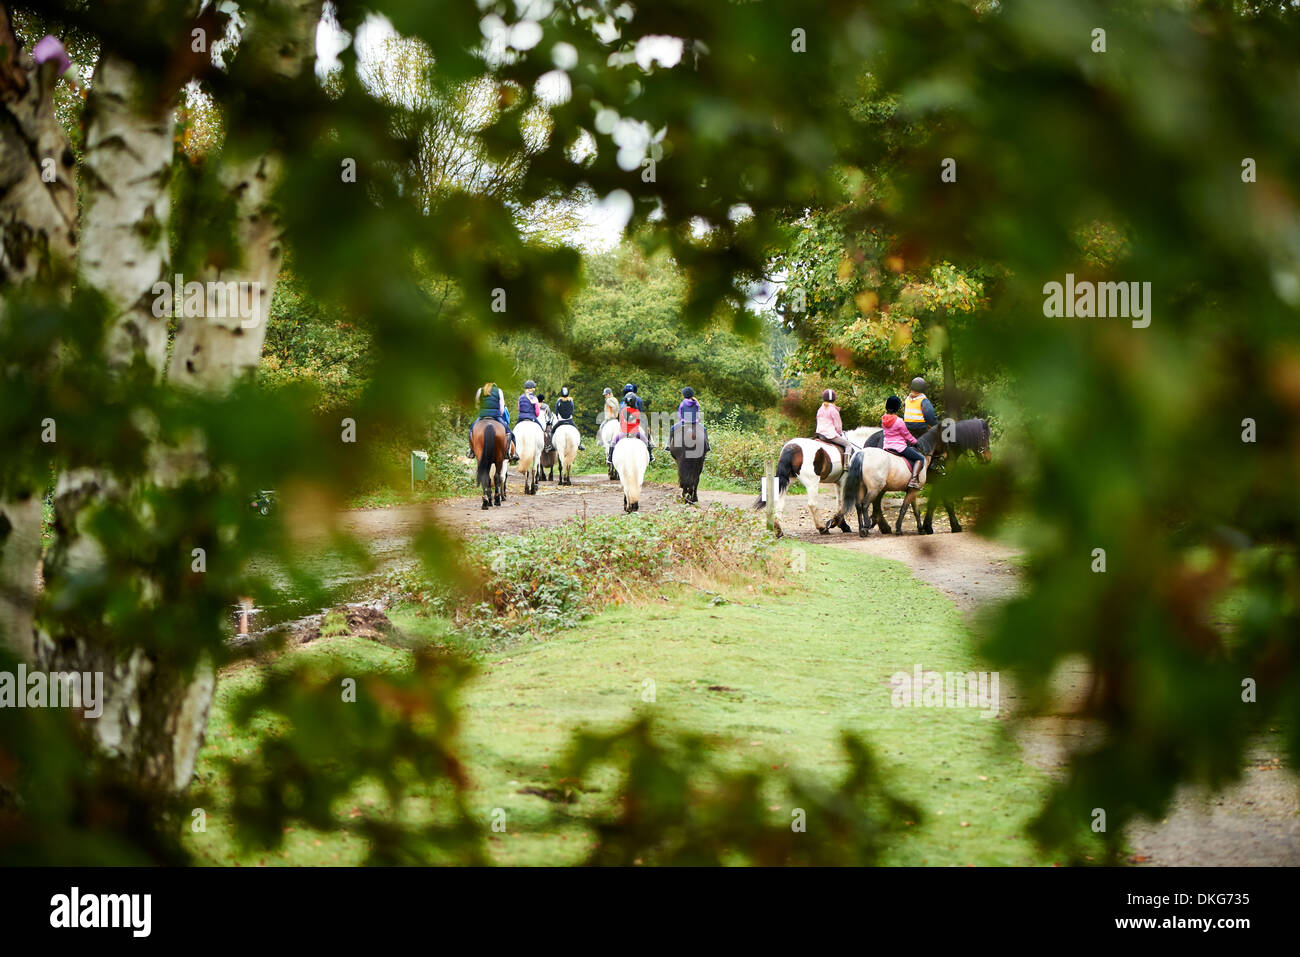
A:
[490, 442]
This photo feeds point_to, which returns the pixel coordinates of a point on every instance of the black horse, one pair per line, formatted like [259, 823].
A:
[688, 445]
[969, 435]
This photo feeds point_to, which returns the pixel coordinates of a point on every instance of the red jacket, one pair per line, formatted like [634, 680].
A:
[629, 420]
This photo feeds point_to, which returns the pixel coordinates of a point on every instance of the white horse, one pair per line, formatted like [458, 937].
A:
[631, 459]
[528, 446]
[815, 463]
[606, 434]
[565, 438]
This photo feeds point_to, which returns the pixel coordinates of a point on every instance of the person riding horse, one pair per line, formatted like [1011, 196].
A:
[898, 438]
[529, 407]
[544, 417]
[918, 410]
[830, 428]
[629, 423]
[687, 412]
[491, 403]
[564, 412]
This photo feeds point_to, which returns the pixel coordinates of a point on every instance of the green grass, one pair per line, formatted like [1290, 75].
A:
[800, 665]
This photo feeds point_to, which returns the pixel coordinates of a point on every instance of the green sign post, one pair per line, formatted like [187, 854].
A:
[419, 467]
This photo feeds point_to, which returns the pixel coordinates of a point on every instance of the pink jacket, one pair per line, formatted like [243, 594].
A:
[828, 421]
[897, 437]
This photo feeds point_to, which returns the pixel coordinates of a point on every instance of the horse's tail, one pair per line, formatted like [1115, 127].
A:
[488, 457]
[784, 473]
[854, 479]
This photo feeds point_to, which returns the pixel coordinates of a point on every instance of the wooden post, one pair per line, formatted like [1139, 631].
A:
[769, 489]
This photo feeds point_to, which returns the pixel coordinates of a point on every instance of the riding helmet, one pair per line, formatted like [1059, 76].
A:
[540, 397]
[608, 391]
[688, 393]
[629, 388]
[564, 392]
[893, 404]
[918, 384]
[530, 384]
[828, 395]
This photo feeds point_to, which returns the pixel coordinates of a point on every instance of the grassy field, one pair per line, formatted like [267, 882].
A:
[799, 664]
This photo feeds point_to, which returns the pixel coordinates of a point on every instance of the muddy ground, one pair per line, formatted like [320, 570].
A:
[1257, 822]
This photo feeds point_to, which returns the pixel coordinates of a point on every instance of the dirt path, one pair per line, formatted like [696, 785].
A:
[1255, 823]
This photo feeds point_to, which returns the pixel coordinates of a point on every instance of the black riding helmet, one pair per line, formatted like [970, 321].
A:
[893, 404]
[629, 388]
[564, 392]
[688, 393]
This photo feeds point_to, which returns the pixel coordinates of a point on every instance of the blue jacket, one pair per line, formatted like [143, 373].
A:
[527, 410]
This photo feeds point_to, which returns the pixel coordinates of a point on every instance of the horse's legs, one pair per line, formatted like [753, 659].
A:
[952, 516]
[928, 526]
[878, 513]
[812, 508]
[910, 501]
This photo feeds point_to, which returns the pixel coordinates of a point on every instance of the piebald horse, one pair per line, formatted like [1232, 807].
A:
[528, 446]
[874, 471]
[814, 463]
[490, 442]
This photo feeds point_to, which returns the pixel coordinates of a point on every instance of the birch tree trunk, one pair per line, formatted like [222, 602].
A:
[155, 713]
[37, 224]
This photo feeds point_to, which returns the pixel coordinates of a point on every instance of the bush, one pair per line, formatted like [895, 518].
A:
[544, 580]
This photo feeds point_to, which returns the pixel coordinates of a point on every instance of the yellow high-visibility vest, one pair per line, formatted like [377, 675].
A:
[912, 408]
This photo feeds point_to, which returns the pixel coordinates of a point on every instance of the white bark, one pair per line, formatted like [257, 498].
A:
[123, 249]
[37, 220]
[211, 352]
[155, 714]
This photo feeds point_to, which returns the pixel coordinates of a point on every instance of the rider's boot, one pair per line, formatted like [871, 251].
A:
[916, 475]
[513, 455]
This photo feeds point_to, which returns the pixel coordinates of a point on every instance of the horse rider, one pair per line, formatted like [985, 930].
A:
[918, 411]
[687, 412]
[544, 415]
[491, 402]
[898, 438]
[611, 404]
[564, 410]
[529, 407]
[629, 422]
[829, 426]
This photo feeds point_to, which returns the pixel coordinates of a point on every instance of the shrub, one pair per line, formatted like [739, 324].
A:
[550, 578]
